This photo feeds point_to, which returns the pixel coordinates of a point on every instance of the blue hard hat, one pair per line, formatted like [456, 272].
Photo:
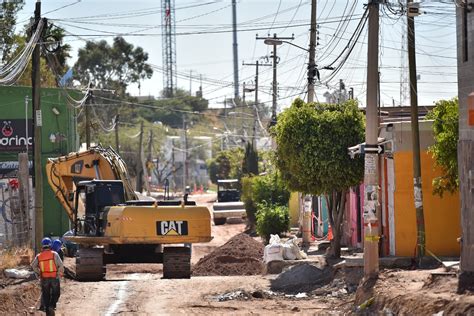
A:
[57, 244]
[46, 242]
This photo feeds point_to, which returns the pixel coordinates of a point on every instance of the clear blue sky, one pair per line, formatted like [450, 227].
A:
[210, 54]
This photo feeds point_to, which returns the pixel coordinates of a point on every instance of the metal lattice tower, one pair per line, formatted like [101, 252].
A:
[168, 25]
[403, 71]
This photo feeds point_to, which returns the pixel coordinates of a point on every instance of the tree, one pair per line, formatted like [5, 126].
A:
[444, 151]
[8, 13]
[170, 111]
[112, 66]
[250, 163]
[268, 189]
[312, 141]
[227, 165]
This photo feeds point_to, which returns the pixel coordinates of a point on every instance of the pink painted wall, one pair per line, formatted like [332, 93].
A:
[350, 222]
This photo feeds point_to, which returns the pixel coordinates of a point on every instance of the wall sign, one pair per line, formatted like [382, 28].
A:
[13, 136]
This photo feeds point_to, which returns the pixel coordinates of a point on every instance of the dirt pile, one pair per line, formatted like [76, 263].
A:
[18, 299]
[241, 255]
[417, 292]
[303, 277]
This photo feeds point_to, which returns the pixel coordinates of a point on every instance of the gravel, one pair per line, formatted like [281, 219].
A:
[301, 278]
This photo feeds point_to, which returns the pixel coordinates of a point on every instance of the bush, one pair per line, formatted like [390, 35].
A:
[272, 219]
[247, 198]
[268, 189]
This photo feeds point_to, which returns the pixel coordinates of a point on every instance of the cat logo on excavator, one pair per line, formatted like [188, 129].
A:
[165, 228]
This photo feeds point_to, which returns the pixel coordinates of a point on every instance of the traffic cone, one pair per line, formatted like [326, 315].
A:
[330, 236]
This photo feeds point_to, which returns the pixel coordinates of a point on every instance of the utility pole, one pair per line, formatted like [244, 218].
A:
[312, 53]
[274, 85]
[256, 64]
[275, 61]
[371, 177]
[307, 216]
[235, 50]
[87, 118]
[139, 185]
[37, 152]
[191, 83]
[186, 162]
[150, 145]
[117, 144]
[173, 166]
[415, 135]
[145, 166]
[149, 163]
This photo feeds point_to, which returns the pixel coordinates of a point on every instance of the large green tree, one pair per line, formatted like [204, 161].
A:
[312, 141]
[444, 151]
[112, 66]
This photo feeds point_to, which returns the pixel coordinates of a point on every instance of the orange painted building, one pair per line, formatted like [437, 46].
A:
[442, 215]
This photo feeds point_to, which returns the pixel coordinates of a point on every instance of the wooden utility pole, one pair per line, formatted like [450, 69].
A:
[87, 118]
[371, 177]
[139, 184]
[37, 152]
[117, 143]
[415, 135]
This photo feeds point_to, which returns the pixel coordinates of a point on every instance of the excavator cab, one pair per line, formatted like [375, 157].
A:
[99, 194]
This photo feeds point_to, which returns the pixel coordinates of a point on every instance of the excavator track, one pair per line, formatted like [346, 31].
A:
[90, 264]
[177, 263]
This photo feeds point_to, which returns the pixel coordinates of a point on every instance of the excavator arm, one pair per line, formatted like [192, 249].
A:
[97, 163]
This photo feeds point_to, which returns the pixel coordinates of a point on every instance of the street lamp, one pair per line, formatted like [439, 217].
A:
[273, 41]
[312, 67]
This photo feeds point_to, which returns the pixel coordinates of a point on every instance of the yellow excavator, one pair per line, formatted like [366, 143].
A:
[111, 225]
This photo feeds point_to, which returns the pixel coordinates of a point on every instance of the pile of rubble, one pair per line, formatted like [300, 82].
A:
[241, 255]
[303, 277]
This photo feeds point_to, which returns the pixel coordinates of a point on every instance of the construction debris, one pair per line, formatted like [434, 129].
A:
[19, 274]
[300, 278]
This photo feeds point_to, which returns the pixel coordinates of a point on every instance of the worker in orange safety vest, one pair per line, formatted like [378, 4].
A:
[48, 265]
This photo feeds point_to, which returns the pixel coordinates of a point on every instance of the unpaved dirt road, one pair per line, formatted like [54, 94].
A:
[139, 289]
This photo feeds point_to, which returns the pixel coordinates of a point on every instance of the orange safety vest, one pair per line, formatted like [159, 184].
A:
[47, 264]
